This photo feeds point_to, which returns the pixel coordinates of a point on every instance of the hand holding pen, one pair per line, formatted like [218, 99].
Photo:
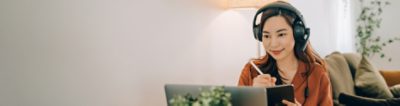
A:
[262, 80]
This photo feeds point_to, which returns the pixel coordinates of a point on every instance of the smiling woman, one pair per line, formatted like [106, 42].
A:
[289, 57]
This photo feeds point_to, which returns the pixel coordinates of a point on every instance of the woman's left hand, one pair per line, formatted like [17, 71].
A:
[288, 103]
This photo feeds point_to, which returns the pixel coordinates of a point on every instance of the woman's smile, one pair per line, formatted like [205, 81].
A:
[277, 52]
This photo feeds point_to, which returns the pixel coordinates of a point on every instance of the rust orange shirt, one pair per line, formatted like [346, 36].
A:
[320, 92]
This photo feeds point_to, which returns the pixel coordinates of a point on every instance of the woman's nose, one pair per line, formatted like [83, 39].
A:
[273, 43]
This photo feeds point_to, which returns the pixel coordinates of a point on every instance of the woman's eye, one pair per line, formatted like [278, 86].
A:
[266, 36]
[282, 34]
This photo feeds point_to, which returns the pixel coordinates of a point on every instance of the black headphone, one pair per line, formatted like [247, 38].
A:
[300, 32]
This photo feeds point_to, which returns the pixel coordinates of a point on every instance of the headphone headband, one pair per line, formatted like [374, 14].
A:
[282, 6]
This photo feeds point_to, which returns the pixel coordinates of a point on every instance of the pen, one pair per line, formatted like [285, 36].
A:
[254, 65]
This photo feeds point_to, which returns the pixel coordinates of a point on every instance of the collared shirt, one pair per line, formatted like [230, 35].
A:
[320, 92]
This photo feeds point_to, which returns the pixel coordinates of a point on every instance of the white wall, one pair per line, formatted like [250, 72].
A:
[121, 52]
[116, 52]
[389, 29]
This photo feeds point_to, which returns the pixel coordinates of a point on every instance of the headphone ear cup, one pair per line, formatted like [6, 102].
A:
[257, 33]
[299, 31]
[300, 35]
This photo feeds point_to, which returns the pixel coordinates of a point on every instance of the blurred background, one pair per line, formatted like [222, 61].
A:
[122, 52]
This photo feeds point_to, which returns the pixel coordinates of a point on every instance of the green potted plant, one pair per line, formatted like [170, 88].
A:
[369, 20]
[216, 96]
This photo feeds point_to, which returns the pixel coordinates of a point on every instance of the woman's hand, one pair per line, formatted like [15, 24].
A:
[288, 103]
[264, 80]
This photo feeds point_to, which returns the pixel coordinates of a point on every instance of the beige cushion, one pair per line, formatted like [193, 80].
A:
[370, 82]
[340, 75]
[353, 59]
[395, 90]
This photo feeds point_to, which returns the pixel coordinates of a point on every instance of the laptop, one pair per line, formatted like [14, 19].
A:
[240, 96]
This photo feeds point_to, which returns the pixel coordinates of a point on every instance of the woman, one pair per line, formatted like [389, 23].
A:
[289, 57]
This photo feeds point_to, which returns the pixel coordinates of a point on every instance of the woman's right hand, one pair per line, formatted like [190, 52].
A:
[264, 80]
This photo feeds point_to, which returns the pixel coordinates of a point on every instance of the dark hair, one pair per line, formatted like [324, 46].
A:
[308, 56]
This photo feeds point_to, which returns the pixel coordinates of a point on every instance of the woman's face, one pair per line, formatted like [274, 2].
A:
[278, 38]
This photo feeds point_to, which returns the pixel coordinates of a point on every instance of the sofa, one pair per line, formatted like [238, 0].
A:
[353, 74]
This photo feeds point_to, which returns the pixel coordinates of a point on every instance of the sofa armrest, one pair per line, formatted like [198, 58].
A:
[392, 77]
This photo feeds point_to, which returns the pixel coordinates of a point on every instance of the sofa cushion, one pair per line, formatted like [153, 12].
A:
[369, 82]
[395, 90]
[339, 74]
[353, 59]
